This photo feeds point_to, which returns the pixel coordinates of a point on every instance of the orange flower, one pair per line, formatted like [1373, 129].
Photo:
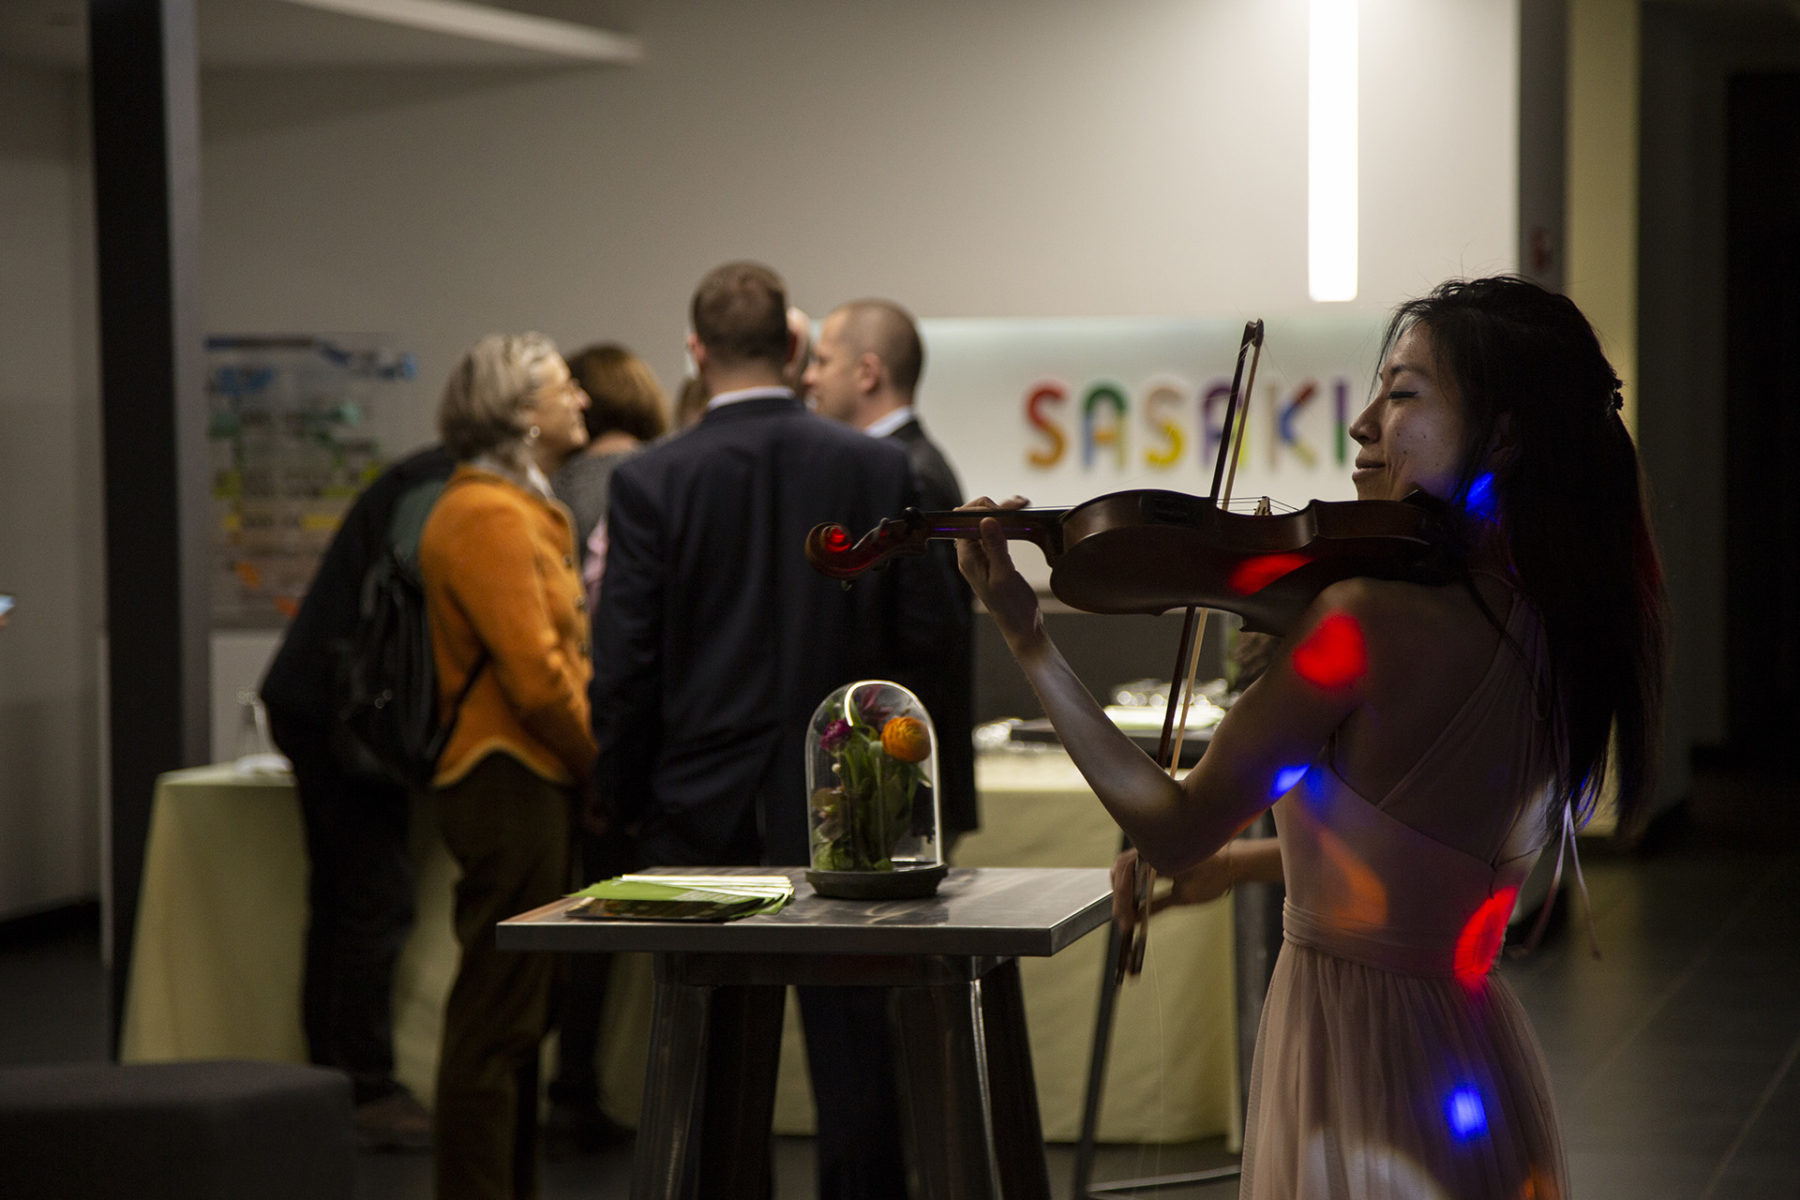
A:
[905, 738]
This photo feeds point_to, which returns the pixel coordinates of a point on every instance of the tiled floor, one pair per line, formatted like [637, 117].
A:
[1674, 1056]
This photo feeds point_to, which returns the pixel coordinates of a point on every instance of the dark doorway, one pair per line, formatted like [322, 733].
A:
[1762, 416]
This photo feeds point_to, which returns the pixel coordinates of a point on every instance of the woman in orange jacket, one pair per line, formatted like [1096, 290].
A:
[507, 611]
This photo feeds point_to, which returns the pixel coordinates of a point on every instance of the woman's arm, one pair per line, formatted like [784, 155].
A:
[1262, 748]
[1143, 799]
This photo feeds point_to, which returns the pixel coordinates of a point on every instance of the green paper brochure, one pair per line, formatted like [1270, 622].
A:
[681, 897]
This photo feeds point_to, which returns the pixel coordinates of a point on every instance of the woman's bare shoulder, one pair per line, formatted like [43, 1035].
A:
[1400, 621]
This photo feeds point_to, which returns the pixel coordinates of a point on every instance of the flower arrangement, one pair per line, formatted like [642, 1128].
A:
[869, 778]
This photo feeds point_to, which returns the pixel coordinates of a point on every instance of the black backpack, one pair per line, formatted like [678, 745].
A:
[388, 720]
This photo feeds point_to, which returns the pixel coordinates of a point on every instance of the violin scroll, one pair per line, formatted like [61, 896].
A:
[832, 553]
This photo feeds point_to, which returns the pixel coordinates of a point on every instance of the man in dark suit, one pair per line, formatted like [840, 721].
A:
[714, 641]
[865, 371]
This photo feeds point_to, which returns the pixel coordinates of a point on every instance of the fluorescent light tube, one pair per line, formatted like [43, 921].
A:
[1331, 224]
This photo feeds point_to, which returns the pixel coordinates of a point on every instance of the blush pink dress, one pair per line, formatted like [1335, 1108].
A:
[1390, 1064]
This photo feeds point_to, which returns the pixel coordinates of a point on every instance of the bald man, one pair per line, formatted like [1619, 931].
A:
[864, 372]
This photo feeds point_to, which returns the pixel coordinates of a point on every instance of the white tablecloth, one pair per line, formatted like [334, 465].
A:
[216, 969]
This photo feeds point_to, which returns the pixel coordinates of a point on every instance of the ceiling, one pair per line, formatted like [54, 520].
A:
[340, 33]
[401, 33]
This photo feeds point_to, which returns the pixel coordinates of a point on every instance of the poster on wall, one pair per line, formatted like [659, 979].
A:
[290, 444]
[1060, 410]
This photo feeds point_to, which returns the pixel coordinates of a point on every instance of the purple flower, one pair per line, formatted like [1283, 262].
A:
[836, 734]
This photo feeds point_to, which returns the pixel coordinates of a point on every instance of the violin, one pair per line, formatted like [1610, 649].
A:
[1151, 551]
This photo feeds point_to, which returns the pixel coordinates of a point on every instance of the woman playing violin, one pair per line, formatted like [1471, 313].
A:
[1420, 745]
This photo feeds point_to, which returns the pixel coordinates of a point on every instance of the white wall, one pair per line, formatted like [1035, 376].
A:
[49, 497]
[1006, 158]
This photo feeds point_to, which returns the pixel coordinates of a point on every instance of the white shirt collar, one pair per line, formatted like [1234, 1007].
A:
[536, 477]
[742, 394]
[889, 422]
[529, 477]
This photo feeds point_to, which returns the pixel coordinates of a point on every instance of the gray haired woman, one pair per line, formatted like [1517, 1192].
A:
[508, 624]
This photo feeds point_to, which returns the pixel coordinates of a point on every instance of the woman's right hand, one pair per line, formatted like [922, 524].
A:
[988, 566]
[1206, 880]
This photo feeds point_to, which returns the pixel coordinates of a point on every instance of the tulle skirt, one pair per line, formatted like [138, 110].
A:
[1372, 1085]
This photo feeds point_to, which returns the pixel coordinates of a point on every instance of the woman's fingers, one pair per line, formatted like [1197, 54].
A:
[1014, 501]
[985, 557]
[993, 542]
[986, 562]
[1166, 900]
[1124, 889]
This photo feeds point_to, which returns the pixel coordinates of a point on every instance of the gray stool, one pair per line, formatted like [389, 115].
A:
[188, 1130]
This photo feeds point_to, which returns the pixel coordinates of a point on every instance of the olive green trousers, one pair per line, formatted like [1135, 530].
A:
[508, 829]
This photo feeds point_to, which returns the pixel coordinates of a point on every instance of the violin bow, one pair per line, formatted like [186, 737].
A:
[1231, 445]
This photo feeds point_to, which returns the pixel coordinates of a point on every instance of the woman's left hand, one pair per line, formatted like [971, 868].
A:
[988, 566]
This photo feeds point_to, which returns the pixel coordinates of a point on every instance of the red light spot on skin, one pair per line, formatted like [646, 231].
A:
[1254, 574]
[1332, 655]
[1479, 943]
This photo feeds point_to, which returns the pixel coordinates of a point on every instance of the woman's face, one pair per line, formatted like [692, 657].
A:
[555, 408]
[1411, 434]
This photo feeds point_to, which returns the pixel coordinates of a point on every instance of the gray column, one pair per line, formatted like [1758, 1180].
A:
[144, 73]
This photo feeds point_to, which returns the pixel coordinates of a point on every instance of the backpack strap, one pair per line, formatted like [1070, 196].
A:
[406, 524]
[441, 738]
[481, 662]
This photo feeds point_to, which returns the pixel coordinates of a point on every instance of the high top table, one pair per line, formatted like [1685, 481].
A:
[956, 1012]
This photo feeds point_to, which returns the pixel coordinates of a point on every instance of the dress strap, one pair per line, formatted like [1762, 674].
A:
[1565, 845]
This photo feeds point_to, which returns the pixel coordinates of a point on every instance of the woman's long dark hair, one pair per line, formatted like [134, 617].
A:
[1542, 407]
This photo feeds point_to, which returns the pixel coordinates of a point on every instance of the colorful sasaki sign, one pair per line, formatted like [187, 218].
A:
[1061, 410]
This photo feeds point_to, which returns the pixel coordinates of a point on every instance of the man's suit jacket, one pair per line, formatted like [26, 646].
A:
[714, 639]
[946, 675]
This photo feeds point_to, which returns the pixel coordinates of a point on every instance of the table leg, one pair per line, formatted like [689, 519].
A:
[944, 1095]
[709, 1094]
[664, 1166]
[743, 1052]
[1012, 1090]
